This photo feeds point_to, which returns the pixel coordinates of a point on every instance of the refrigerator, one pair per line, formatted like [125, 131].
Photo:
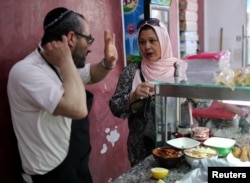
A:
[133, 12]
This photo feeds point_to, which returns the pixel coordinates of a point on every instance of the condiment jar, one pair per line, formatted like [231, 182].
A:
[183, 131]
[200, 133]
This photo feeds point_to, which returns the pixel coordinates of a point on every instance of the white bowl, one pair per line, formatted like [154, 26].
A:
[183, 143]
[194, 155]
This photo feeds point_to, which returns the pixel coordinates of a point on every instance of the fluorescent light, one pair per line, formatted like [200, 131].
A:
[237, 102]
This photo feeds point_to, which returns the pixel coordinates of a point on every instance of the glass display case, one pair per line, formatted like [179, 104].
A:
[169, 95]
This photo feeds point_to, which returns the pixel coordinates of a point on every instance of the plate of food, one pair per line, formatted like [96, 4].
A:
[239, 156]
[236, 161]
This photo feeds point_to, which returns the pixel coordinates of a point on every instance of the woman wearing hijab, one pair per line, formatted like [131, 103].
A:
[134, 84]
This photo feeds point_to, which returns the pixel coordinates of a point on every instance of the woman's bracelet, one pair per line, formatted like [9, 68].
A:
[105, 66]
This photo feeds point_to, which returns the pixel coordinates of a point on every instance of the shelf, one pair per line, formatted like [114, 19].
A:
[204, 91]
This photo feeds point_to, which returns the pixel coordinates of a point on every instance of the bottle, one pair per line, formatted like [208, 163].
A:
[176, 72]
[169, 133]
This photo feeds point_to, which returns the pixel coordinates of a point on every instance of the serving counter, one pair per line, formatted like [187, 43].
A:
[141, 172]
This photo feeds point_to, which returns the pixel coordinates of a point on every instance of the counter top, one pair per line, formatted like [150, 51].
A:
[141, 172]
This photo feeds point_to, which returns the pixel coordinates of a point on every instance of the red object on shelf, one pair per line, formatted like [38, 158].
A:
[214, 111]
[205, 55]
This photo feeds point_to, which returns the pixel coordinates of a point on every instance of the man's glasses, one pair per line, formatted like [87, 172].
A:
[151, 21]
[89, 38]
[57, 19]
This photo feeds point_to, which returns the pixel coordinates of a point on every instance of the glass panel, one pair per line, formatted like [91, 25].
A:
[204, 91]
[165, 118]
[219, 110]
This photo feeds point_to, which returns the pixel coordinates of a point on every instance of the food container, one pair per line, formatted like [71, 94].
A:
[223, 145]
[183, 131]
[183, 143]
[200, 133]
[195, 154]
[167, 157]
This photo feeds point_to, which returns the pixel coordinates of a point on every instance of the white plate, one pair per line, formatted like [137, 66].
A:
[219, 142]
[236, 161]
[183, 143]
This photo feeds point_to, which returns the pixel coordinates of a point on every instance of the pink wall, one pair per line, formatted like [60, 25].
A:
[21, 30]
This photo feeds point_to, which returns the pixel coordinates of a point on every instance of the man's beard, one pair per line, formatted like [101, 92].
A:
[79, 58]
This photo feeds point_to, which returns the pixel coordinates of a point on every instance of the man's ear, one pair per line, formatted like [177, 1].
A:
[71, 39]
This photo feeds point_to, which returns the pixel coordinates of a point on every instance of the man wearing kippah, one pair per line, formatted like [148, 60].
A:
[49, 103]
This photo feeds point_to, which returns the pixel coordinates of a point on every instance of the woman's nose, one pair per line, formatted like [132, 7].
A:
[147, 44]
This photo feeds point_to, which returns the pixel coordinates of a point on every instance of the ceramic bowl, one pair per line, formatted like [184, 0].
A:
[194, 155]
[183, 143]
[223, 145]
[167, 157]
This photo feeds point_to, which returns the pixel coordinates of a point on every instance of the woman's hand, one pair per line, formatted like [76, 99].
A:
[143, 90]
